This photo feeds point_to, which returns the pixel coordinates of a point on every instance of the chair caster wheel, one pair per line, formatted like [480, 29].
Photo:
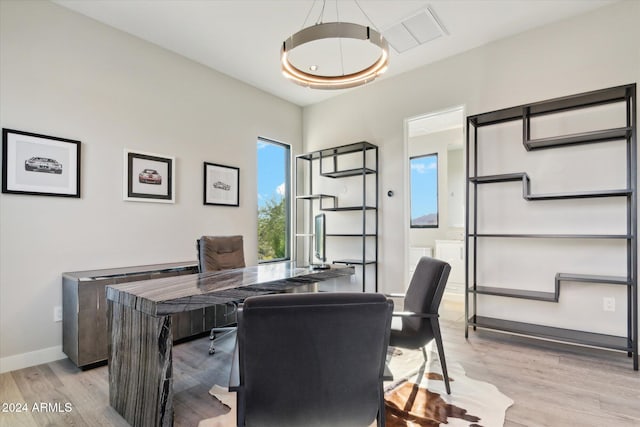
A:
[212, 351]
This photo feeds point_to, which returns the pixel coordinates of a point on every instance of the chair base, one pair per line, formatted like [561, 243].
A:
[213, 336]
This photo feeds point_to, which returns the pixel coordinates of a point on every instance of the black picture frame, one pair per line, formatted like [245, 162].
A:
[221, 185]
[148, 177]
[41, 165]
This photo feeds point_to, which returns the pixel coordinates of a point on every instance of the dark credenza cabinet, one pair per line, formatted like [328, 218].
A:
[84, 308]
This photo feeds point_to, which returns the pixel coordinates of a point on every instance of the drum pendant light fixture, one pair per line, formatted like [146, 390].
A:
[334, 30]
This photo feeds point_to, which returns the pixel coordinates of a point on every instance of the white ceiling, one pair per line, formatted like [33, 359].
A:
[242, 38]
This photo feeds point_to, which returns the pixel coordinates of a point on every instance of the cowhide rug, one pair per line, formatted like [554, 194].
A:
[416, 397]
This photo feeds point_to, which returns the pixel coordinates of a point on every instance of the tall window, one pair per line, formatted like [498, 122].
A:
[424, 191]
[273, 200]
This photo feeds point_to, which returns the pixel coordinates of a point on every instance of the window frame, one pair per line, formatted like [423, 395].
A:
[437, 195]
[287, 198]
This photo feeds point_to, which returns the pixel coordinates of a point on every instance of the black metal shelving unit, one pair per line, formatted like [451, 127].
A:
[327, 162]
[621, 94]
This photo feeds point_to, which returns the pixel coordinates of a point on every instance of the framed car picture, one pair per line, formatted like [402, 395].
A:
[148, 177]
[221, 185]
[40, 164]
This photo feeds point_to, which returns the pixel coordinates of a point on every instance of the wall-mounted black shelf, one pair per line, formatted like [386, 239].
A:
[348, 172]
[553, 236]
[353, 163]
[490, 179]
[316, 196]
[553, 333]
[581, 195]
[321, 198]
[593, 278]
[572, 102]
[351, 235]
[626, 134]
[514, 293]
[526, 188]
[578, 138]
[350, 208]
[550, 296]
[339, 151]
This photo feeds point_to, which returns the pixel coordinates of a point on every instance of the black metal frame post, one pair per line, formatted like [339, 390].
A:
[632, 202]
[467, 237]
[364, 219]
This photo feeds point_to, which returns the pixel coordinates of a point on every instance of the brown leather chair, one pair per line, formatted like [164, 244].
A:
[217, 253]
[420, 322]
[311, 359]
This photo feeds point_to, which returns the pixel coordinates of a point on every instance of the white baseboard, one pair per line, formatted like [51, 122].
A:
[453, 296]
[25, 360]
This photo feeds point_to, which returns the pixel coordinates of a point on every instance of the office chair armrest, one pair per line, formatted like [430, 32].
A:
[394, 295]
[387, 375]
[413, 314]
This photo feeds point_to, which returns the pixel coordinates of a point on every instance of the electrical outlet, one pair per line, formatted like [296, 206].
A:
[57, 314]
[609, 304]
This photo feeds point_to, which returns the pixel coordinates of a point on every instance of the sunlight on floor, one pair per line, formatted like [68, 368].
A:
[452, 307]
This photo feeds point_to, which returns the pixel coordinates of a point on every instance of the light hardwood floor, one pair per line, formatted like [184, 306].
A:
[551, 384]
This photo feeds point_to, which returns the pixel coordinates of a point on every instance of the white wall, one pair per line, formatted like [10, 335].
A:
[597, 50]
[65, 75]
[456, 189]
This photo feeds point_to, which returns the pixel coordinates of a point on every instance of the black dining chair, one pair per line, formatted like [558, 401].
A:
[311, 359]
[419, 320]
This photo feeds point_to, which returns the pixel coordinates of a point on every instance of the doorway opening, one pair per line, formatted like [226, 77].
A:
[434, 210]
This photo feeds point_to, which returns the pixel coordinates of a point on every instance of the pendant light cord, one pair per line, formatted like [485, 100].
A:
[319, 21]
[308, 13]
[321, 16]
[365, 14]
[340, 41]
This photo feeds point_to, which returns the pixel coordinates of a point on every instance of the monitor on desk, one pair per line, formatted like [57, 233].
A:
[319, 235]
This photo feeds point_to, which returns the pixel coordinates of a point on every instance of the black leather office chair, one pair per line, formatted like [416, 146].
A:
[420, 322]
[217, 253]
[312, 360]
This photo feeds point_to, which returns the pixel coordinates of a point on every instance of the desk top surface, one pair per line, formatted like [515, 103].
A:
[107, 273]
[188, 292]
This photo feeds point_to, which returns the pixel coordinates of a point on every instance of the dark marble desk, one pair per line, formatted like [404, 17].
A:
[139, 322]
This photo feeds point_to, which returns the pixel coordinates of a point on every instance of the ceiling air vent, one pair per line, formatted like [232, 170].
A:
[415, 30]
